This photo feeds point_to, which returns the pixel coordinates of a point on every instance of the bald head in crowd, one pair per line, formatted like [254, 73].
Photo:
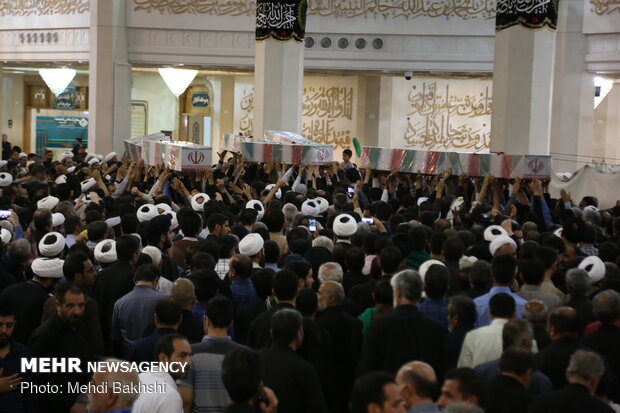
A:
[184, 293]
[331, 294]
[418, 383]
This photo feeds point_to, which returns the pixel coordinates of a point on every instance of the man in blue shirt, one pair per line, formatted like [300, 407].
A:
[503, 270]
[435, 305]
[242, 288]
[134, 311]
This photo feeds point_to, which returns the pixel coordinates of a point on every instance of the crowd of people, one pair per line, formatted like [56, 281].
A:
[303, 288]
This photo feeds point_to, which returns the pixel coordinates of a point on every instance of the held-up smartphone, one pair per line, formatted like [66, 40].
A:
[87, 197]
[351, 191]
[369, 221]
[485, 216]
[5, 214]
[312, 225]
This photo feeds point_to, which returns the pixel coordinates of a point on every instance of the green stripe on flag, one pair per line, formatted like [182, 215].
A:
[455, 164]
[374, 155]
[485, 163]
[408, 161]
[276, 152]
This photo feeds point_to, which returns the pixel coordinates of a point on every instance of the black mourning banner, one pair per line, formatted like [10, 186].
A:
[282, 20]
[533, 14]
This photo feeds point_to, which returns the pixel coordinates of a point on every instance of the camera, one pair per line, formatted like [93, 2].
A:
[408, 75]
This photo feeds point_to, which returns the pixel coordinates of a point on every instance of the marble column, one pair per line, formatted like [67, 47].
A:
[522, 90]
[278, 86]
[573, 93]
[109, 78]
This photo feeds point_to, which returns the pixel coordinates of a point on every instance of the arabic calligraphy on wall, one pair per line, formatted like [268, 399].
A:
[603, 7]
[42, 7]
[329, 109]
[407, 9]
[447, 115]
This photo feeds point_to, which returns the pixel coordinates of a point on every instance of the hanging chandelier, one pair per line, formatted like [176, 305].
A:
[177, 80]
[57, 79]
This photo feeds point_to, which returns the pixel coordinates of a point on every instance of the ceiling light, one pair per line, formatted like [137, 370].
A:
[177, 80]
[57, 79]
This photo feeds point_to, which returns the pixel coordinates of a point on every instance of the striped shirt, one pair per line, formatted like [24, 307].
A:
[205, 375]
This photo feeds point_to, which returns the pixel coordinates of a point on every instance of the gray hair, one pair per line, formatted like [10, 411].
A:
[330, 271]
[324, 242]
[66, 208]
[289, 211]
[515, 332]
[20, 250]
[409, 283]
[586, 365]
[462, 407]
[593, 217]
[114, 376]
[577, 281]
[154, 253]
[606, 306]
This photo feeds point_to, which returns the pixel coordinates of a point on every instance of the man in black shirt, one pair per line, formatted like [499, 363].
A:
[63, 336]
[11, 353]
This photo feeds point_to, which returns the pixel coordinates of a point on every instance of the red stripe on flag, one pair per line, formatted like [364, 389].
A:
[267, 152]
[506, 166]
[474, 165]
[296, 154]
[432, 162]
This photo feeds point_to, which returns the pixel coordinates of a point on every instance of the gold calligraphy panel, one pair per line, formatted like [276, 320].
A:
[42, 7]
[329, 109]
[408, 9]
[442, 114]
[603, 7]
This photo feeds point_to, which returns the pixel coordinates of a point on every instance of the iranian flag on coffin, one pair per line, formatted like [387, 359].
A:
[532, 166]
[186, 156]
[152, 152]
[133, 146]
[231, 142]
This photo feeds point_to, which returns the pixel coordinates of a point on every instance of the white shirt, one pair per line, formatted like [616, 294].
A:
[482, 344]
[164, 399]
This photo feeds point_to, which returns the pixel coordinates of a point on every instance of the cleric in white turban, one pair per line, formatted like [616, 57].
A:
[48, 267]
[311, 207]
[147, 212]
[57, 219]
[88, 184]
[345, 226]
[5, 236]
[256, 205]
[502, 245]
[105, 252]
[49, 203]
[52, 244]
[199, 200]
[6, 179]
[251, 244]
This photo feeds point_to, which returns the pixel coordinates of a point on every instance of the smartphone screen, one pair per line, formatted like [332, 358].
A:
[369, 221]
[351, 191]
[312, 225]
[87, 197]
[5, 214]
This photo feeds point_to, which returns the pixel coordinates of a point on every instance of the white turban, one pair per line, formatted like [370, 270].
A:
[61, 179]
[112, 222]
[5, 236]
[466, 261]
[199, 206]
[109, 156]
[88, 184]
[71, 169]
[66, 155]
[89, 157]
[163, 208]
[499, 241]
[57, 219]
[49, 203]
[558, 232]
[256, 205]
[3, 164]
[426, 265]
[323, 204]
[595, 268]
[48, 267]
[93, 161]
[278, 192]
[99, 156]
[494, 231]
[23, 155]
[174, 223]
[421, 200]
[147, 212]
[6, 179]
[105, 251]
[345, 225]
[154, 253]
[251, 244]
[51, 244]
[310, 207]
